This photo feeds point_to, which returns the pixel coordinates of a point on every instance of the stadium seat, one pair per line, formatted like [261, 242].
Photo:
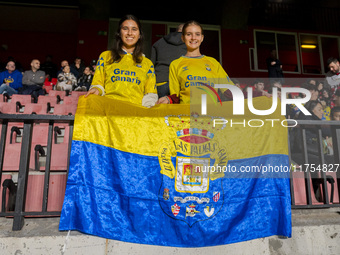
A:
[4, 197]
[70, 100]
[332, 188]
[48, 88]
[60, 145]
[47, 99]
[35, 190]
[37, 108]
[23, 99]
[9, 108]
[299, 185]
[39, 141]
[336, 193]
[13, 146]
[58, 94]
[62, 109]
[59, 153]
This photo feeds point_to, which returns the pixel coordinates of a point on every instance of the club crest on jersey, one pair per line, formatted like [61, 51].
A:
[207, 67]
[186, 162]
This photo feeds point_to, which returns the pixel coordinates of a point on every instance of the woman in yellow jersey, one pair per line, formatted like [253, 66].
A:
[124, 73]
[193, 69]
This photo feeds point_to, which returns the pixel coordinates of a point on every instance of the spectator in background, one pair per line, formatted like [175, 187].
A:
[276, 83]
[259, 89]
[63, 64]
[33, 80]
[10, 80]
[49, 67]
[18, 65]
[274, 66]
[311, 81]
[85, 80]
[313, 91]
[325, 95]
[259, 86]
[77, 68]
[333, 75]
[66, 79]
[292, 110]
[320, 86]
[336, 98]
[335, 113]
[163, 52]
[93, 64]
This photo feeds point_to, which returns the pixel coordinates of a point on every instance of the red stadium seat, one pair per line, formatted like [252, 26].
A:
[59, 153]
[331, 177]
[60, 147]
[13, 146]
[3, 178]
[299, 185]
[62, 109]
[39, 138]
[23, 99]
[35, 190]
[47, 99]
[36, 109]
[9, 108]
[70, 100]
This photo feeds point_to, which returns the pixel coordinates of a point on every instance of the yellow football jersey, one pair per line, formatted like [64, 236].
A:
[124, 80]
[186, 72]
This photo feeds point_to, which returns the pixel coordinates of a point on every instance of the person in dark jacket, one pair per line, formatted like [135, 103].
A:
[274, 66]
[163, 52]
[85, 80]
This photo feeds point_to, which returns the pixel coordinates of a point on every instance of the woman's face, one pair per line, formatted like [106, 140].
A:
[193, 37]
[129, 33]
[318, 111]
[325, 93]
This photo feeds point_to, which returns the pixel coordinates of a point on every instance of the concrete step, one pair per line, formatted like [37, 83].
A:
[314, 232]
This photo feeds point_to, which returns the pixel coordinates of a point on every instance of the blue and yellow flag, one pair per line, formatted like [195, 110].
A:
[168, 176]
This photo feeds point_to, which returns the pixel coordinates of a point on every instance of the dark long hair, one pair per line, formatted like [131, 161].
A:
[117, 50]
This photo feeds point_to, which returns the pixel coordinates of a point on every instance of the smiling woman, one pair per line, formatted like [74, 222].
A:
[192, 67]
[124, 73]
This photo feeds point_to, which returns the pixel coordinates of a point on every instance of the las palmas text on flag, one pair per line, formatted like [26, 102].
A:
[167, 176]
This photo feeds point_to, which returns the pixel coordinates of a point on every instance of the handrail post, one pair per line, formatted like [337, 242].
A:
[18, 220]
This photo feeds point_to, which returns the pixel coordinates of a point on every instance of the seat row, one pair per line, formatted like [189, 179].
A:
[59, 149]
[34, 194]
[300, 191]
[56, 102]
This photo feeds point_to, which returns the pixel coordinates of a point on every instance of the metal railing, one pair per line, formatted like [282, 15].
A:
[316, 171]
[26, 142]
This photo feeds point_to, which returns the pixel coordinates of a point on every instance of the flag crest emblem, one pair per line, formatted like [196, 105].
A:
[186, 161]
